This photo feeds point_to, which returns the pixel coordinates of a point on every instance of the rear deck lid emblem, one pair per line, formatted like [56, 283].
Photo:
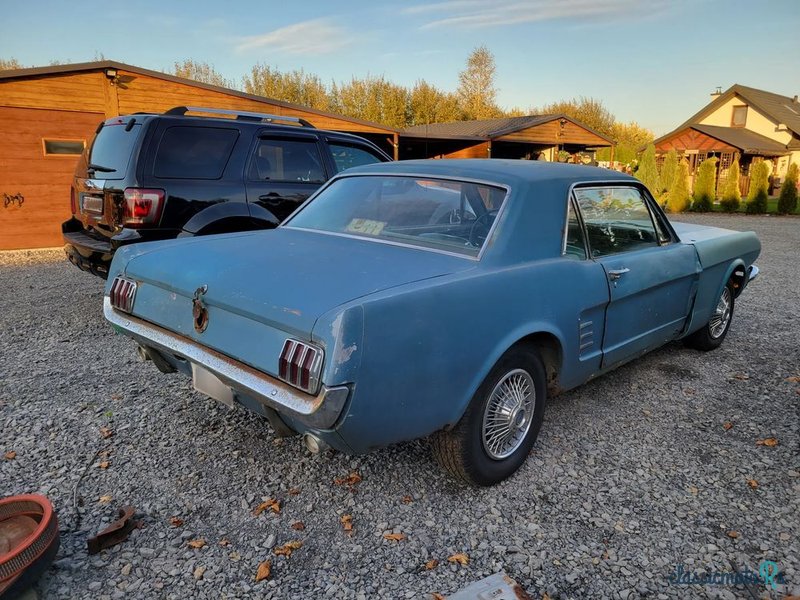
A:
[199, 310]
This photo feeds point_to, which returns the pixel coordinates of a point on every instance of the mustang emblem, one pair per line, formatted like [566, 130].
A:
[199, 310]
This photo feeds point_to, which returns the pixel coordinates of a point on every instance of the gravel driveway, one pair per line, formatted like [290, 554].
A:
[653, 466]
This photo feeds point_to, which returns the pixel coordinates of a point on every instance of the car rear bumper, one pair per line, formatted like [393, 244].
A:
[316, 412]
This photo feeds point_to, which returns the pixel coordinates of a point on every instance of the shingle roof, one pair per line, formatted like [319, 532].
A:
[110, 64]
[749, 142]
[484, 129]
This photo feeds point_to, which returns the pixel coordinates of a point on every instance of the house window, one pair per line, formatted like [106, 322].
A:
[739, 117]
[63, 147]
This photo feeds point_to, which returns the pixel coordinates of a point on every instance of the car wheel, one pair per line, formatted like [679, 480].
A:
[713, 333]
[498, 430]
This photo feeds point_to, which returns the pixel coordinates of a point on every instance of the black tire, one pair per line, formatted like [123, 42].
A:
[463, 450]
[710, 336]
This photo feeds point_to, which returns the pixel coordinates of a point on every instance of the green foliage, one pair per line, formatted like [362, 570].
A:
[428, 104]
[588, 111]
[787, 202]
[669, 170]
[201, 71]
[7, 64]
[372, 99]
[297, 87]
[647, 172]
[476, 89]
[705, 186]
[678, 198]
[759, 183]
[731, 196]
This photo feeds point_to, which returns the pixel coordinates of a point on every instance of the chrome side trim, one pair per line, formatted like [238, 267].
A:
[320, 411]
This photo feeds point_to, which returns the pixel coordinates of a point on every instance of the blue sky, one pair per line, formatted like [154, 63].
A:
[654, 62]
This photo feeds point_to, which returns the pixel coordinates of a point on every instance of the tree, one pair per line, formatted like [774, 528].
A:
[759, 183]
[630, 137]
[647, 172]
[588, 111]
[678, 200]
[201, 71]
[476, 89]
[372, 99]
[731, 196]
[705, 186]
[6, 64]
[297, 87]
[669, 170]
[787, 202]
[428, 104]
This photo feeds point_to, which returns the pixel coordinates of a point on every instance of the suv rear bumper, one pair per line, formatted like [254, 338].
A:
[86, 252]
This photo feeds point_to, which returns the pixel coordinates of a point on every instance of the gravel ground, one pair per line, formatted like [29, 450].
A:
[633, 474]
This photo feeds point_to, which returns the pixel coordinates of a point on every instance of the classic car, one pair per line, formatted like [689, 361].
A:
[443, 298]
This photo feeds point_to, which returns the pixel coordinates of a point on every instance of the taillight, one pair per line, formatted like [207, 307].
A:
[142, 207]
[122, 294]
[73, 205]
[300, 365]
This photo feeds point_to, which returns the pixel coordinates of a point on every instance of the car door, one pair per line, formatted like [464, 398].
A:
[652, 277]
[283, 170]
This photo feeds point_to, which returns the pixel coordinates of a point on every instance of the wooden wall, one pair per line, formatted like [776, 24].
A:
[70, 106]
[477, 151]
[691, 139]
[43, 181]
[552, 133]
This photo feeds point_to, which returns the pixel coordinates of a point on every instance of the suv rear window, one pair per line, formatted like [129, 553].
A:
[346, 156]
[112, 149]
[194, 152]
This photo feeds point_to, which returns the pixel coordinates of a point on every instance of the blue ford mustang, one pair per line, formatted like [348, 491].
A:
[444, 298]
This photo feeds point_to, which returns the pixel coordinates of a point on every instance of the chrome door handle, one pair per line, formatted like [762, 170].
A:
[615, 274]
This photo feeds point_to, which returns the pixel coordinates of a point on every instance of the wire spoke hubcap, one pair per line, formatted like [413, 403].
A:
[722, 314]
[508, 414]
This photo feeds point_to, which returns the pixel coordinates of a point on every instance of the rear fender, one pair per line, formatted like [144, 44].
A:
[229, 211]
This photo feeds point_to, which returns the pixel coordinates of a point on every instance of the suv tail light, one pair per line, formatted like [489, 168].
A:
[73, 205]
[122, 294]
[142, 207]
[300, 365]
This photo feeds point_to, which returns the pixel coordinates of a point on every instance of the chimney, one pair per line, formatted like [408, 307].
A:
[794, 99]
[716, 93]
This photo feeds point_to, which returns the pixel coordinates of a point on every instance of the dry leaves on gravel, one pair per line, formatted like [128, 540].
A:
[407, 499]
[733, 534]
[767, 442]
[294, 491]
[196, 544]
[394, 537]
[104, 464]
[752, 483]
[727, 425]
[437, 596]
[431, 564]
[199, 572]
[347, 523]
[105, 499]
[269, 504]
[352, 479]
[793, 379]
[106, 433]
[224, 542]
[264, 570]
[287, 549]
[741, 376]
[175, 521]
[298, 526]
[460, 558]
[10, 455]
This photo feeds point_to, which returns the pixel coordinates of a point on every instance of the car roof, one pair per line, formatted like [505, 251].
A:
[502, 171]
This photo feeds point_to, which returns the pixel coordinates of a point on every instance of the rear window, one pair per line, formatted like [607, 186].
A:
[194, 152]
[447, 215]
[112, 149]
[346, 156]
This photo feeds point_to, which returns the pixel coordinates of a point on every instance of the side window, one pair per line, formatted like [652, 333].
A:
[574, 243]
[287, 160]
[346, 156]
[617, 219]
[194, 152]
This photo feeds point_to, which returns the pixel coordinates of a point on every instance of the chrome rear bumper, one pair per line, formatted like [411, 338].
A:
[320, 411]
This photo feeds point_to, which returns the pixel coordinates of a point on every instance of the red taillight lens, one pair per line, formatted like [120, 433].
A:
[73, 205]
[122, 294]
[300, 365]
[142, 207]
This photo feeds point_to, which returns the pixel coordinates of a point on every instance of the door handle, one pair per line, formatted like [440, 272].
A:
[271, 198]
[615, 274]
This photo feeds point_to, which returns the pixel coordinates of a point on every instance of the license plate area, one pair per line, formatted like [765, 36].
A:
[92, 204]
[209, 384]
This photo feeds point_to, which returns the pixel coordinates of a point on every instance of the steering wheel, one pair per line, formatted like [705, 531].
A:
[480, 228]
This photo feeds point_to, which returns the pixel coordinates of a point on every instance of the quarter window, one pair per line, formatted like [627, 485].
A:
[574, 244]
[287, 160]
[194, 152]
[617, 219]
[346, 156]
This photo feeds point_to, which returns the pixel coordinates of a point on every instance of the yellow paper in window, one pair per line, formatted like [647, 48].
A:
[366, 226]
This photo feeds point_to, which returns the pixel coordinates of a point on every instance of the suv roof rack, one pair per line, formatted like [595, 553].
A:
[239, 114]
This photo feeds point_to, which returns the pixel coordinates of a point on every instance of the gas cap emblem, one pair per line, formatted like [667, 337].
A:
[199, 310]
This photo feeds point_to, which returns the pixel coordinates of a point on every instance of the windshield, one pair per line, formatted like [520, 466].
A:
[112, 149]
[455, 216]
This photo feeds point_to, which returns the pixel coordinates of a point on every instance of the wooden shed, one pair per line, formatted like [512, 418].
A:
[49, 114]
[530, 137]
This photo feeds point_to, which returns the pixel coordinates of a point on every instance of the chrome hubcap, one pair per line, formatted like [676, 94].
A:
[722, 314]
[508, 414]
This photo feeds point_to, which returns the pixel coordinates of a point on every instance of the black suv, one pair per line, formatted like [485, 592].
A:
[153, 177]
